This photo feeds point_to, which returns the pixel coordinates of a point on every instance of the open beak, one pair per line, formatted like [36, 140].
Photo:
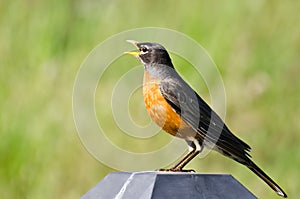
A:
[135, 54]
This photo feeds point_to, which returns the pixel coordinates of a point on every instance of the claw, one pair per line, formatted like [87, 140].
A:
[177, 170]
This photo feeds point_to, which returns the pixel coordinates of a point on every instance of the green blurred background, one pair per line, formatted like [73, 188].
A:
[255, 44]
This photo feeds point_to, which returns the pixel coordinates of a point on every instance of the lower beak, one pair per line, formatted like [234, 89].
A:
[135, 54]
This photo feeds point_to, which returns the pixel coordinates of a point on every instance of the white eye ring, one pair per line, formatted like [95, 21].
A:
[144, 50]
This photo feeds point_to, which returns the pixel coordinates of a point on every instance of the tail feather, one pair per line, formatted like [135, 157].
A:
[242, 157]
[253, 167]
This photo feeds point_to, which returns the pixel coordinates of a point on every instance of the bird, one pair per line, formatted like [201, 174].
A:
[174, 106]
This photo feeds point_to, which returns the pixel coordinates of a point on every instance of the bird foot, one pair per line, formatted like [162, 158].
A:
[177, 170]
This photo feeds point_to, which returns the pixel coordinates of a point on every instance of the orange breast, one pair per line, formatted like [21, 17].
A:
[159, 109]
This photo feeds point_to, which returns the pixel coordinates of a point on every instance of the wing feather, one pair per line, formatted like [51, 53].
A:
[197, 113]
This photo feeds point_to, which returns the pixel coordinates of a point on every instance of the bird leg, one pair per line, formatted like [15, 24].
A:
[186, 159]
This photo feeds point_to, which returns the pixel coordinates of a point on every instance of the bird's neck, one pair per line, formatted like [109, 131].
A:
[159, 70]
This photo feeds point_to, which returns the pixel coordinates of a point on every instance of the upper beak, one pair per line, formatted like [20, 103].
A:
[133, 53]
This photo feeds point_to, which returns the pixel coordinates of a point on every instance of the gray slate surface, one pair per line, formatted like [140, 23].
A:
[165, 185]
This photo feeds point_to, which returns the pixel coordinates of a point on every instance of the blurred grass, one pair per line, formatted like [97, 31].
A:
[256, 45]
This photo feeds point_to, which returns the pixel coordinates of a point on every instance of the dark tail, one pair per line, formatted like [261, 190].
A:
[253, 167]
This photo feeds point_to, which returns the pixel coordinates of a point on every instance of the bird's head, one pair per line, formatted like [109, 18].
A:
[150, 53]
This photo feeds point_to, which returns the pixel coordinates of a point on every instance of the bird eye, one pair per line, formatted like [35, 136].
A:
[144, 49]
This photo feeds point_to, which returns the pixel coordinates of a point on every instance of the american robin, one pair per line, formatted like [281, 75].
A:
[181, 112]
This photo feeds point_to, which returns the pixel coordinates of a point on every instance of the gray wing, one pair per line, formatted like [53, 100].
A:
[197, 113]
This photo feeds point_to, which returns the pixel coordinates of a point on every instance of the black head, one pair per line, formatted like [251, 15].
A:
[151, 53]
